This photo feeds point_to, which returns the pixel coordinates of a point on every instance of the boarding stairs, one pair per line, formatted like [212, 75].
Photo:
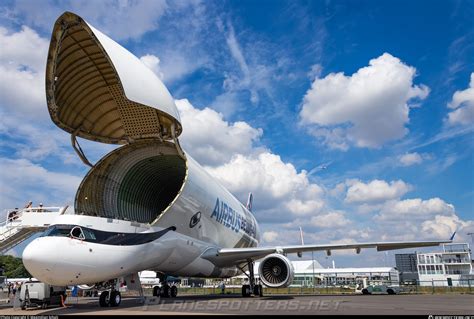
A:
[24, 224]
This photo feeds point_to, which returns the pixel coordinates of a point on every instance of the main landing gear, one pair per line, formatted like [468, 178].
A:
[252, 288]
[110, 299]
[165, 291]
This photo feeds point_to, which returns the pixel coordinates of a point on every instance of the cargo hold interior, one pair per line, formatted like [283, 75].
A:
[136, 182]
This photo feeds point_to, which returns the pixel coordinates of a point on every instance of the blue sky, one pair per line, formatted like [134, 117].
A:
[353, 119]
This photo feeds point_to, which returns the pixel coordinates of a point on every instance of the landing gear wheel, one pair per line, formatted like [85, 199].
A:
[165, 291]
[245, 290]
[104, 299]
[115, 298]
[156, 291]
[258, 290]
[173, 291]
[365, 292]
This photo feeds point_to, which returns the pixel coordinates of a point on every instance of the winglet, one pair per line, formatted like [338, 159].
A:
[452, 236]
[250, 202]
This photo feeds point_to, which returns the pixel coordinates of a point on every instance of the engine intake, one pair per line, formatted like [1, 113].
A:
[276, 271]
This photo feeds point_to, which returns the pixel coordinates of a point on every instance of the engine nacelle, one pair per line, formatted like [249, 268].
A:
[276, 271]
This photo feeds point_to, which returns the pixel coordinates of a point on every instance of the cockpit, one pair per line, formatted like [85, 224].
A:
[72, 231]
[104, 237]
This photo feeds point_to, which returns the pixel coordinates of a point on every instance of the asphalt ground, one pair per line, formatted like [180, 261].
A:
[437, 304]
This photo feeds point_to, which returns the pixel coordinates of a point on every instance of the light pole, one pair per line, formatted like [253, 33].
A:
[312, 257]
[314, 278]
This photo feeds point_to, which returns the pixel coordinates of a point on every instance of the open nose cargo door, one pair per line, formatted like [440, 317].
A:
[98, 90]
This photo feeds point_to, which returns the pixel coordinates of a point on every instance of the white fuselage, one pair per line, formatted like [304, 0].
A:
[204, 215]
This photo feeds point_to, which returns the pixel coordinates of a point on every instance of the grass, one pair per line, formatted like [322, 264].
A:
[318, 290]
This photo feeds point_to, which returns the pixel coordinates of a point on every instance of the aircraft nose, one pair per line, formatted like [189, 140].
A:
[39, 260]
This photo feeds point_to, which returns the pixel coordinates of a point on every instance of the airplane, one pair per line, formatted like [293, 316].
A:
[147, 205]
[319, 168]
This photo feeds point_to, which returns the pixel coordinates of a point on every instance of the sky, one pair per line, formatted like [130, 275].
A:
[351, 119]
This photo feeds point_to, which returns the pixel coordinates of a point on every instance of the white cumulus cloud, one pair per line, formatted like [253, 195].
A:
[375, 191]
[280, 191]
[22, 68]
[212, 140]
[463, 105]
[330, 220]
[366, 109]
[414, 209]
[444, 226]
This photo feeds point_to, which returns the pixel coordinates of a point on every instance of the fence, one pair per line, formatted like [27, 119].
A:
[421, 287]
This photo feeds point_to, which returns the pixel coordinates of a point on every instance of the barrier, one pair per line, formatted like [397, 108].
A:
[464, 286]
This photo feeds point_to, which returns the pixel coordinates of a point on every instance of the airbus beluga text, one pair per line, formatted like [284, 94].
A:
[147, 204]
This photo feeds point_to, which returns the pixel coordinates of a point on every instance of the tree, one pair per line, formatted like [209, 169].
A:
[13, 267]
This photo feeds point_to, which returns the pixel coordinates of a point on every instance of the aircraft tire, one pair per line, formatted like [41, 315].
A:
[115, 298]
[165, 291]
[245, 290]
[173, 291]
[258, 290]
[104, 299]
[156, 291]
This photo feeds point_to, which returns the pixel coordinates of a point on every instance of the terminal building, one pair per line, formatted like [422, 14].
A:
[451, 267]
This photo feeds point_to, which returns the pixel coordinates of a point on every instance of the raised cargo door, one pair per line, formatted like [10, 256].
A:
[98, 90]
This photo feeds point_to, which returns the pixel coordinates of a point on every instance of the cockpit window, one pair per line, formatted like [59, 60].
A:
[104, 237]
[58, 231]
[89, 234]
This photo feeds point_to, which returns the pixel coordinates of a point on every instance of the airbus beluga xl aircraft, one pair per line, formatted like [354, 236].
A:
[148, 204]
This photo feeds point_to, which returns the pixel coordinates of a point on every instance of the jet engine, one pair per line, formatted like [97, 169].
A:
[276, 271]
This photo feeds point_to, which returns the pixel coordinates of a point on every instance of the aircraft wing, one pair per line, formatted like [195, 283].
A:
[232, 256]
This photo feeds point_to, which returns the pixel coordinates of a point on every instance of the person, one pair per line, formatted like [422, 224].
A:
[74, 291]
[13, 214]
[14, 290]
[222, 288]
[9, 289]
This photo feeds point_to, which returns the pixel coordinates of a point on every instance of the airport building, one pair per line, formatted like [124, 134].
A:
[407, 267]
[451, 267]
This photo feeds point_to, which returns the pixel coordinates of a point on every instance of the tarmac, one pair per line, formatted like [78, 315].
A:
[437, 304]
